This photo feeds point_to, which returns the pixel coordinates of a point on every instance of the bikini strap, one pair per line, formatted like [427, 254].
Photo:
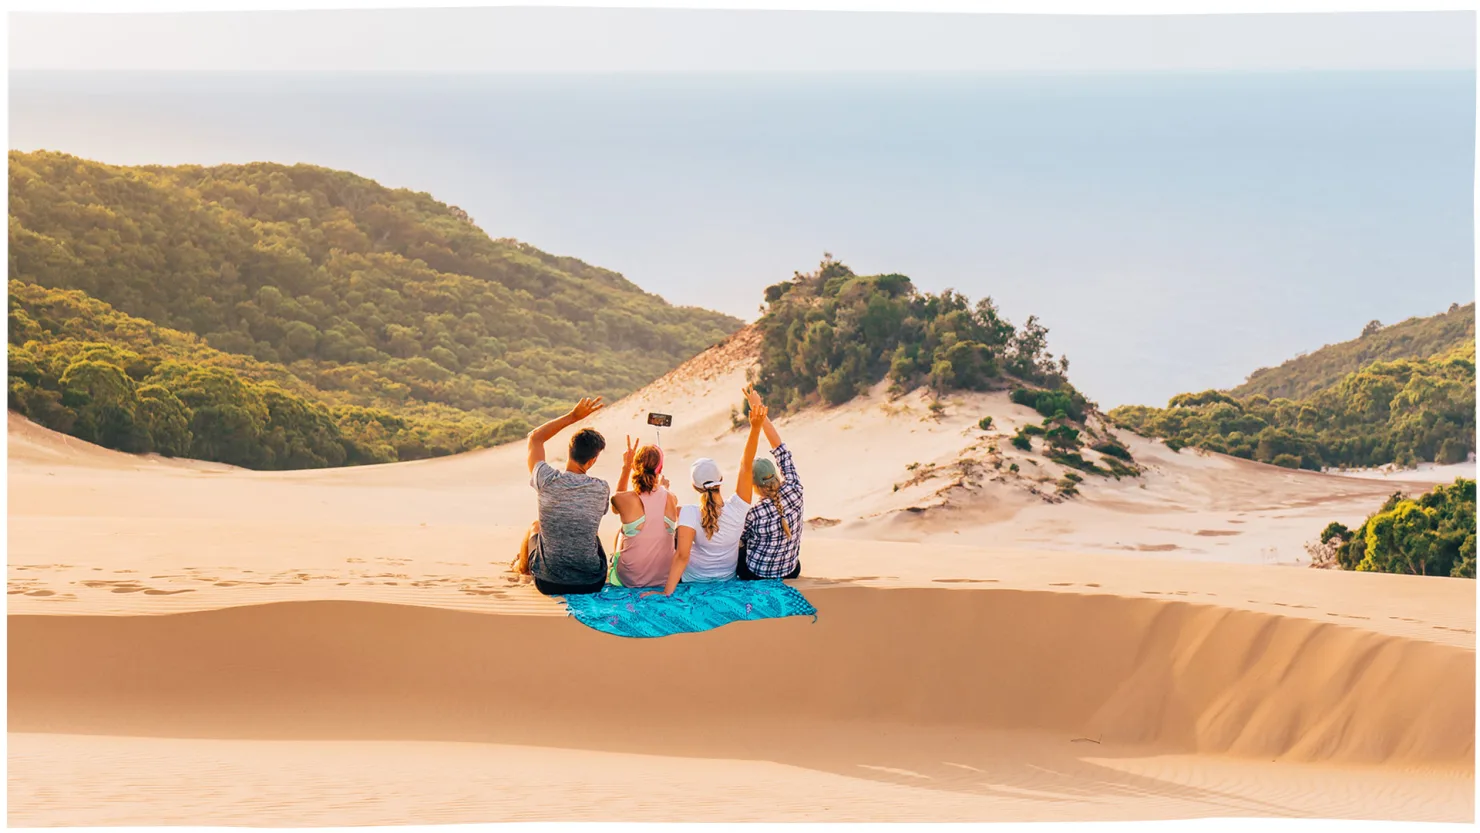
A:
[631, 529]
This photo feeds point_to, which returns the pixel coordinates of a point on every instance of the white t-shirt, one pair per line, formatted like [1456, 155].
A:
[713, 559]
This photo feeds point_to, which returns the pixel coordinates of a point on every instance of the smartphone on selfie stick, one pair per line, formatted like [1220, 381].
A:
[659, 422]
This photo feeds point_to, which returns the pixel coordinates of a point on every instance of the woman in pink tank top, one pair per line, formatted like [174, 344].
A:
[649, 519]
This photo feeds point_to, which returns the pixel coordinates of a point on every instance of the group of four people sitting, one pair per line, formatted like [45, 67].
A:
[661, 542]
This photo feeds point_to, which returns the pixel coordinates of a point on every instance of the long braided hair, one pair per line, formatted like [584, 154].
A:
[771, 488]
[710, 506]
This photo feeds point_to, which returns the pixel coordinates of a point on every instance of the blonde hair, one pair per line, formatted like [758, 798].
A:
[645, 465]
[772, 490]
[710, 506]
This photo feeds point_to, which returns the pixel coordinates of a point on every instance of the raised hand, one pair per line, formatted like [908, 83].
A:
[630, 453]
[758, 414]
[586, 407]
[751, 397]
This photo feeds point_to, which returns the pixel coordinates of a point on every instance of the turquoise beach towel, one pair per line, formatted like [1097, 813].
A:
[694, 607]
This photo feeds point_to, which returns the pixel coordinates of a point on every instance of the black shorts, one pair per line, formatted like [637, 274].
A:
[555, 588]
[744, 573]
[550, 588]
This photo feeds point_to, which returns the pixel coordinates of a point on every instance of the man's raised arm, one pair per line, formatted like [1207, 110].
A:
[539, 436]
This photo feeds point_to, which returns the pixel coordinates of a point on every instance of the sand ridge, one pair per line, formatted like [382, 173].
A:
[1058, 706]
[1137, 675]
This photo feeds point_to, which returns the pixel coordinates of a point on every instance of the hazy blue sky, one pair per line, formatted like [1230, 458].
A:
[592, 40]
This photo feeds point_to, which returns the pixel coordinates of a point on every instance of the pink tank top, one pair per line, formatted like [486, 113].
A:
[648, 555]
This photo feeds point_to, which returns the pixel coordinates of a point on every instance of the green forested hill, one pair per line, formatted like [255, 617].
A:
[351, 294]
[79, 366]
[1404, 411]
[1416, 338]
[829, 335]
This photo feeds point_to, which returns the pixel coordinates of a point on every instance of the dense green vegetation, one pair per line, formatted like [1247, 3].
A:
[79, 366]
[1433, 535]
[830, 335]
[382, 313]
[1416, 338]
[1389, 412]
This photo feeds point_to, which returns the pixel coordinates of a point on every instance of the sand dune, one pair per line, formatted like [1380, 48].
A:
[1106, 704]
[1139, 675]
[191, 643]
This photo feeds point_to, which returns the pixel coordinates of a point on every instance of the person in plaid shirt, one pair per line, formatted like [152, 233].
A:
[771, 546]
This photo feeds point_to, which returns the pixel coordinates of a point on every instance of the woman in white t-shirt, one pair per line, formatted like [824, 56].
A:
[709, 531]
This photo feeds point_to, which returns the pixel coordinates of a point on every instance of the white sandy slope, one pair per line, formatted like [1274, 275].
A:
[191, 643]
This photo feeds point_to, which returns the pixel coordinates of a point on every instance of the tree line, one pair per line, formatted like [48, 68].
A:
[1399, 412]
[78, 366]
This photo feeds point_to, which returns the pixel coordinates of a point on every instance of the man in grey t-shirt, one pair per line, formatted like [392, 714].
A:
[562, 550]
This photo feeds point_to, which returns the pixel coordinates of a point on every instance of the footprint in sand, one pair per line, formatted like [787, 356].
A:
[41, 593]
[965, 580]
[114, 586]
[1091, 584]
[1062, 584]
[153, 592]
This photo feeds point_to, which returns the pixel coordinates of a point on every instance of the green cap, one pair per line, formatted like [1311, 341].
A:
[764, 472]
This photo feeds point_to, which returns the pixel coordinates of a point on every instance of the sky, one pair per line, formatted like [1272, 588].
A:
[698, 40]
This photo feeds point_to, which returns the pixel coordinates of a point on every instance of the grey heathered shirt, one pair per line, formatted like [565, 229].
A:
[571, 508]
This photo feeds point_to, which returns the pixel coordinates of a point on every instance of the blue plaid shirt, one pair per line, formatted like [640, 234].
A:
[768, 551]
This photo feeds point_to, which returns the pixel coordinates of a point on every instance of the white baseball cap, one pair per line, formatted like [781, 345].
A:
[706, 474]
